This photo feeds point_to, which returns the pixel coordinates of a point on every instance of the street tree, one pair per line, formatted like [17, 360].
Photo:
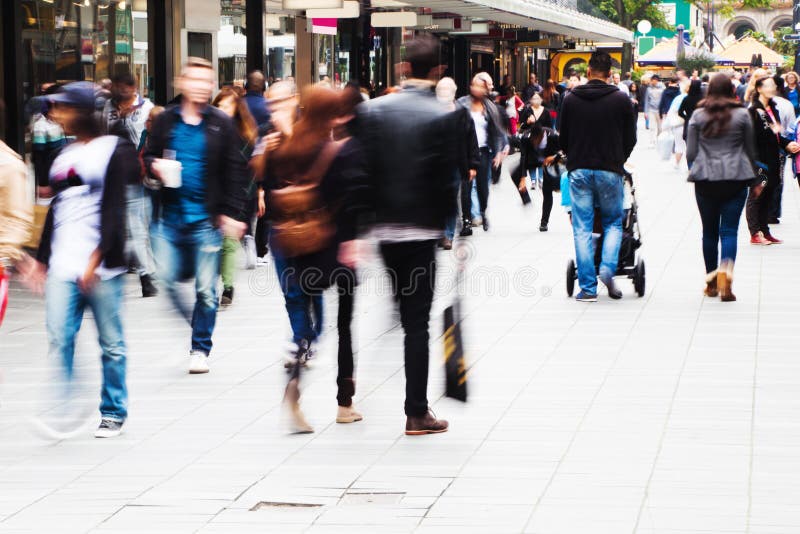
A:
[628, 13]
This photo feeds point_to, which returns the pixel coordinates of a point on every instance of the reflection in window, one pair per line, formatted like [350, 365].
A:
[232, 43]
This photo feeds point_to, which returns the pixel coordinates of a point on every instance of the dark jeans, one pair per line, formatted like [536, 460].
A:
[483, 179]
[758, 208]
[720, 217]
[304, 309]
[412, 266]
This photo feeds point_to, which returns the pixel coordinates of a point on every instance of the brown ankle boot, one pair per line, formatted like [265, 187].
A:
[425, 424]
[725, 283]
[711, 285]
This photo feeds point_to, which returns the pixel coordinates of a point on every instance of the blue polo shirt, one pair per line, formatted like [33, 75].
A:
[187, 205]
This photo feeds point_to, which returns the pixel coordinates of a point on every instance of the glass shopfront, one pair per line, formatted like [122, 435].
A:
[280, 46]
[69, 40]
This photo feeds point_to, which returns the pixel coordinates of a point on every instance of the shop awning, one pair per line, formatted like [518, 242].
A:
[741, 53]
[665, 54]
[535, 14]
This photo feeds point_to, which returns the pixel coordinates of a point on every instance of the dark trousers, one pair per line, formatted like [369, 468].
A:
[548, 186]
[412, 267]
[344, 378]
[776, 202]
[466, 202]
[758, 208]
[262, 236]
[484, 178]
[720, 217]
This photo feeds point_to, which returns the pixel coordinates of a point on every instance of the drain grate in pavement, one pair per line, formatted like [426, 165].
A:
[274, 504]
[358, 497]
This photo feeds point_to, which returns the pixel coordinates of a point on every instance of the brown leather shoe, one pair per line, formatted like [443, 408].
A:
[425, 424]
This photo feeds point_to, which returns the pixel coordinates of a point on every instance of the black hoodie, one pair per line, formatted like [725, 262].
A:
[598, 127]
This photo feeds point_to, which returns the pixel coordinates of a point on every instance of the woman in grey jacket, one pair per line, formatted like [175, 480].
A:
[721, 155]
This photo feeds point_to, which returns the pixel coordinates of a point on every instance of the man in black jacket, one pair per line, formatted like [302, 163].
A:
[208, 198]
[598, 134]
[409, 141]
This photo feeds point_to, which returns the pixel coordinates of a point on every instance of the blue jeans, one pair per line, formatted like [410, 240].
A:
[304, 309]
[590, 189]
[450, 222]
[139, 212]
[65, 304]
[191, 251]
[720, 217]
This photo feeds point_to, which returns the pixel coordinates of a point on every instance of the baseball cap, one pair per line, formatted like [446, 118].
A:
[76, 94]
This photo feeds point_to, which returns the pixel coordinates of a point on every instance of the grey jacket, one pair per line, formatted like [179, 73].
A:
[727, 157]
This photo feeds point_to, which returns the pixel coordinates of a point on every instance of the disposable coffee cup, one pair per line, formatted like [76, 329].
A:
[170, 173]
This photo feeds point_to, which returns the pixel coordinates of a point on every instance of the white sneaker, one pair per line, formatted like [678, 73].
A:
[199, 363]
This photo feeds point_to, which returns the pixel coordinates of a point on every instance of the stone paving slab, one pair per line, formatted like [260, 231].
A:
[671, 413]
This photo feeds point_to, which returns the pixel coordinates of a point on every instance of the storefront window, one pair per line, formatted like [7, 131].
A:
[232, 43]
[73, 40]
[280, 46]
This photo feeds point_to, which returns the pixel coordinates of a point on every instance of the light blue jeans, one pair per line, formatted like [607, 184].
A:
[601, 190]
[140, 211]
[187, 251]
[65, 304]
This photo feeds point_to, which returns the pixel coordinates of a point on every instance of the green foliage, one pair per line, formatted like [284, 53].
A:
[776, 42]
[727, 8]
[698, 61]
[628, 13]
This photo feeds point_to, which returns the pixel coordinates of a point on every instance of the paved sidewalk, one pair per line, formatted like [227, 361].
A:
[671, 413]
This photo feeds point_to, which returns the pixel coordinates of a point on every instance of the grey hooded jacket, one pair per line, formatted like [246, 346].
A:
[729, 157]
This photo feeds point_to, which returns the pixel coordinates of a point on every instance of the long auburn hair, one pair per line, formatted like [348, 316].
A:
[245, 124]
[718, 104]
[319, 106]
[549, 92]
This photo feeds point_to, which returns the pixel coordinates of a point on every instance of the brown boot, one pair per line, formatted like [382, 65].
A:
[425, 424]
[725, 282]
[711, 285]
[297, 421]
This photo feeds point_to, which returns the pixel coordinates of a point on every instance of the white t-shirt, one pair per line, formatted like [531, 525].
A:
[76, 211]
[481, 128]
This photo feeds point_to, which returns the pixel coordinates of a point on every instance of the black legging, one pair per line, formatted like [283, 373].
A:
[548, 186]
[344, 379]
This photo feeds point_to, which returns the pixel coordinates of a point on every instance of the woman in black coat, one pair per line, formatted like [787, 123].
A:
[689, 104]
[770, 140]
[539, 148]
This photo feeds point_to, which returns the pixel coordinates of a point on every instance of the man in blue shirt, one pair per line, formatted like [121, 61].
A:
[256, 103]
[209, 200]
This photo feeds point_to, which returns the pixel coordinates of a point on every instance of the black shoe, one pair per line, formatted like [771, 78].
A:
[466, 231]
[227, 297]
[485, 224]
[542, 227]
[148, 288]
[774, 220]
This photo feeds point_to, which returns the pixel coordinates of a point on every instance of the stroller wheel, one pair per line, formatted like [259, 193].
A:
[639, 278]
[572, 274]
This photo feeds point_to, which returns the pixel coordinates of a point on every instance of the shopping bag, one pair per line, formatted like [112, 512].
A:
[4, 285]
[454, 365]
[664, 144]
[455, 368]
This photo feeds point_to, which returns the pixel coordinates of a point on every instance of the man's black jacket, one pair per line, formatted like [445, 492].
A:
[226, 171]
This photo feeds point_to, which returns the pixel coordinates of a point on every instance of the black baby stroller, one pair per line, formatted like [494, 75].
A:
[630, 264]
